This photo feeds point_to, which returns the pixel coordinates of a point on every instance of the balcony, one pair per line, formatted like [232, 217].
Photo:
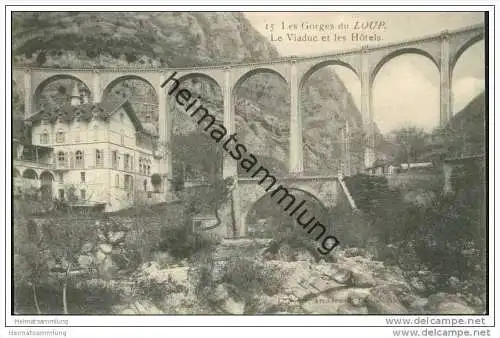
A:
[32, 156]
[33, 164]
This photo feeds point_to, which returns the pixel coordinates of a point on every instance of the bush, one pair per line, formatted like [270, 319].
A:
[130, 57]
[41, 59]
[253, 278]
[155, 179]
[244, 278]
[182, 242]
[447, 236]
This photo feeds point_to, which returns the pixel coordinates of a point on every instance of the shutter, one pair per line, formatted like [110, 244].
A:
[102, 158]
[72, 160]
[83, 159]
[94, 161]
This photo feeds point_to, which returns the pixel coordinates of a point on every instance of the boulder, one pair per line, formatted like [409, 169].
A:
[353, 252]
[85, 261]
[331, 302]
[106, 268]
[181, 303]
[357, 297]
[445, 303]
[116, 237]
[164, 259]
[352, 310]
[264, 304]
[139, 307]
[302, 279]
[473, 301]
[234, 307]
[414, 303]
[362, 279]
[321, 305]
[101, 235]
[384, 300]
[454, 283]
[304, 255]
[285, 253]
[106, 248]
[87, 247]
[100, 256]
[429, 278]
[451, 308]
[152, 271]
[341, 275]
[417, 284]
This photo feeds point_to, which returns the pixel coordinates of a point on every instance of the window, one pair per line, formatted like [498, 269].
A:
[98, 158]
[140, 165]
[60, 136]
[44, 137]
[60, 159]
[61, 178]
[145, 185]
[117, 181]
[82, 194]
[79, 159]
[148, 170]
[126, 162]
[61, 194]
[127, 183]
[82, 176]
[114, 159]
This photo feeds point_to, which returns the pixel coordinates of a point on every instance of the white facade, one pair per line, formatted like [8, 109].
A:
[103, 157]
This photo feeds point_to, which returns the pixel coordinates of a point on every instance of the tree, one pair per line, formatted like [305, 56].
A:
[156, 180]
[411, 143]
[41, 59]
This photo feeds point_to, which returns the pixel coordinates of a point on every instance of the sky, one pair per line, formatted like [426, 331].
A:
[406, 90]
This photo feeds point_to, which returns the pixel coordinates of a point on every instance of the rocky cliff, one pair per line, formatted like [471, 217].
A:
[75, 39]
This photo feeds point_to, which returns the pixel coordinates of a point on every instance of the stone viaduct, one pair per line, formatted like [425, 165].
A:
[443, 50]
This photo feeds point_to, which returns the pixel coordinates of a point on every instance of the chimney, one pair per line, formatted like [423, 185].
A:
[75, 97]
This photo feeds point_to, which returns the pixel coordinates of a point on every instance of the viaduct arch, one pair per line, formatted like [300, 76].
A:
[442, 49]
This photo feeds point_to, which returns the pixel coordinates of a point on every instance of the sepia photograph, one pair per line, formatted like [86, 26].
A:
[248, 163]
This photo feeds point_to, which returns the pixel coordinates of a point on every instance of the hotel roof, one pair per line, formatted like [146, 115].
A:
[87, 111]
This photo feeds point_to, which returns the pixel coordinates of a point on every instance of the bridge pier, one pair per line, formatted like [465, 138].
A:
[366, 109]
[164, 142]
[27, 93]
[229, 165]
[296, 147]
[96, 86]
[445, 81]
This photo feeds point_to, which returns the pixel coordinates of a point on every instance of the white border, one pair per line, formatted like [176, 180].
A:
[146, 321]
